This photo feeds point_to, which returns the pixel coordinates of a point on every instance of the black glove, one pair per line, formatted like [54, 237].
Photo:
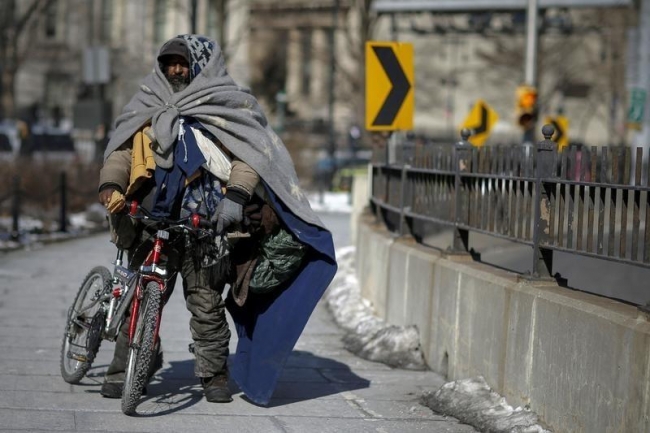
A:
[253, 215]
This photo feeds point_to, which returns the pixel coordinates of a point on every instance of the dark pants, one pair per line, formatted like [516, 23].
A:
[208, 324]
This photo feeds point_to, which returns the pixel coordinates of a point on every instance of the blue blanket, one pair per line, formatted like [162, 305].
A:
[268, 326]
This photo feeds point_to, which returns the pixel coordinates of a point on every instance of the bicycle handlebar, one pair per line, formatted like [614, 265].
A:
[194, 221]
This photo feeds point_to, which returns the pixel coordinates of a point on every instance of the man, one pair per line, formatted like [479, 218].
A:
[207, 135]
[203, 296]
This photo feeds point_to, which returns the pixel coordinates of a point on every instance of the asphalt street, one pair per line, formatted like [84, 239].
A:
[323, 387]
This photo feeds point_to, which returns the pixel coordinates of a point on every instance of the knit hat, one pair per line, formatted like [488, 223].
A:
[176, 46]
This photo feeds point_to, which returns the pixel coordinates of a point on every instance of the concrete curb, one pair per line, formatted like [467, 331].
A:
[581, 362]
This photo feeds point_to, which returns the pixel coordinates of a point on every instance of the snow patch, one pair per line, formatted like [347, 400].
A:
[368, 336]
[330, 202]
[31, 231]
[470, 401]
[473, 402]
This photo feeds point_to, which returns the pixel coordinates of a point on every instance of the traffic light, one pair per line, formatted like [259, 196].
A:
[526, 105]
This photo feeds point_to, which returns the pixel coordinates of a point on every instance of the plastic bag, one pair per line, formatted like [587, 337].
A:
[280, 258]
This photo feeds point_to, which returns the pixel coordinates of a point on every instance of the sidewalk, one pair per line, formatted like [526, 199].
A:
[323, 388]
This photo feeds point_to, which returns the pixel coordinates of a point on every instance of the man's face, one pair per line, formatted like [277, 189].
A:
[177, 71]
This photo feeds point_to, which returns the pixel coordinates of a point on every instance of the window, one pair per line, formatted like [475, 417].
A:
[212, 20]
[159, 21]
[107, 20]
[305, 48]
[57, 94]
[50, 19]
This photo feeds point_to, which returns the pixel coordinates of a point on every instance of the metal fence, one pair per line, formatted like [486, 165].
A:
[50, 203]
[588, 201]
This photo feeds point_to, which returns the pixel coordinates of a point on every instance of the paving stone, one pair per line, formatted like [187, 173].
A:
[323, 388]
[29, 420]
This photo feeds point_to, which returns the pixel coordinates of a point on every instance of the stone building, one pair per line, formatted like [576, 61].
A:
[90, 55]
[459, 58]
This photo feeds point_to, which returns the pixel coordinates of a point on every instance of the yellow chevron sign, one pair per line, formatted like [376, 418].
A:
[389, 86]
[480, 120]
[561, 125]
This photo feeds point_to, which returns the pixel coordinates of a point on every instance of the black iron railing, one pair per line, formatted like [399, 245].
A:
[52, 196]
[588, 201]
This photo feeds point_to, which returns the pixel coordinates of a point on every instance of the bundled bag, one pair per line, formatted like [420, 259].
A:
[267, 260]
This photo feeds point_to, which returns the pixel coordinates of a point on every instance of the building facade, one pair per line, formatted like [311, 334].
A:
[97, 51]
[305, 62]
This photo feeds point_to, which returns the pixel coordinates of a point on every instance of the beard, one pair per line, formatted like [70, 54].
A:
[178, 82]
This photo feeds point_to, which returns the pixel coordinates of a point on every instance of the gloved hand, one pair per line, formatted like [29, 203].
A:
[253, 215]
[228, 213]
[112, 199]
[105, 196]
[261, 218]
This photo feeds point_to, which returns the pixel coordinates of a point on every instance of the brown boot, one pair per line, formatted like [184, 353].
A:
[216, 389]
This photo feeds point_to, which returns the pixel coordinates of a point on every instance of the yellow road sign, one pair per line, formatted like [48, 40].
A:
[480, 120]
[389, 86]
[561, 125]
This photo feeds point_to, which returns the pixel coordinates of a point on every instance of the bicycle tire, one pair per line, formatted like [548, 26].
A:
[142, 350]
[80, 339]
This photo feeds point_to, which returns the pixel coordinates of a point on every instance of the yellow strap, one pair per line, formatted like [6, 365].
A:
[142, 161]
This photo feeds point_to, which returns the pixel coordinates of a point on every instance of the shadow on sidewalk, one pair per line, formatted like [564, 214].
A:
[307, 376]
[171, 390]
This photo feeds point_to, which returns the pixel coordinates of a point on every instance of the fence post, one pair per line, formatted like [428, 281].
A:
[63, 193]
[545, 169]
[461, 164]
[15, 209]
[402, 198]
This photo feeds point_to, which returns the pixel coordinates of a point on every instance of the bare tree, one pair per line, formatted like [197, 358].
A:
[221, 10]
[218, 7]
[15, 37]
[271, 68]
[585, 61]
[350, 86]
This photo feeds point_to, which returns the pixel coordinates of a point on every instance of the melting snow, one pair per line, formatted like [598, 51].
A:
[471, 401]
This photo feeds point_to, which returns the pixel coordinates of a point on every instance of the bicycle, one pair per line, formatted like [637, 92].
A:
[101, 303]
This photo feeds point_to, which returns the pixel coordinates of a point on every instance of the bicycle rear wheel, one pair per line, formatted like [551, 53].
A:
[83, 327]
[142, 352]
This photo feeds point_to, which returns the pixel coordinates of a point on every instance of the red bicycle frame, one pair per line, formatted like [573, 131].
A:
[152, 260]
[149, 271]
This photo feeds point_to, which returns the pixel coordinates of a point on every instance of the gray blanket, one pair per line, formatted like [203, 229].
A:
[227, 110]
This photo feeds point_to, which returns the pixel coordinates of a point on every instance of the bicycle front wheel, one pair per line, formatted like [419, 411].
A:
[84, 324]
[142, 350]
